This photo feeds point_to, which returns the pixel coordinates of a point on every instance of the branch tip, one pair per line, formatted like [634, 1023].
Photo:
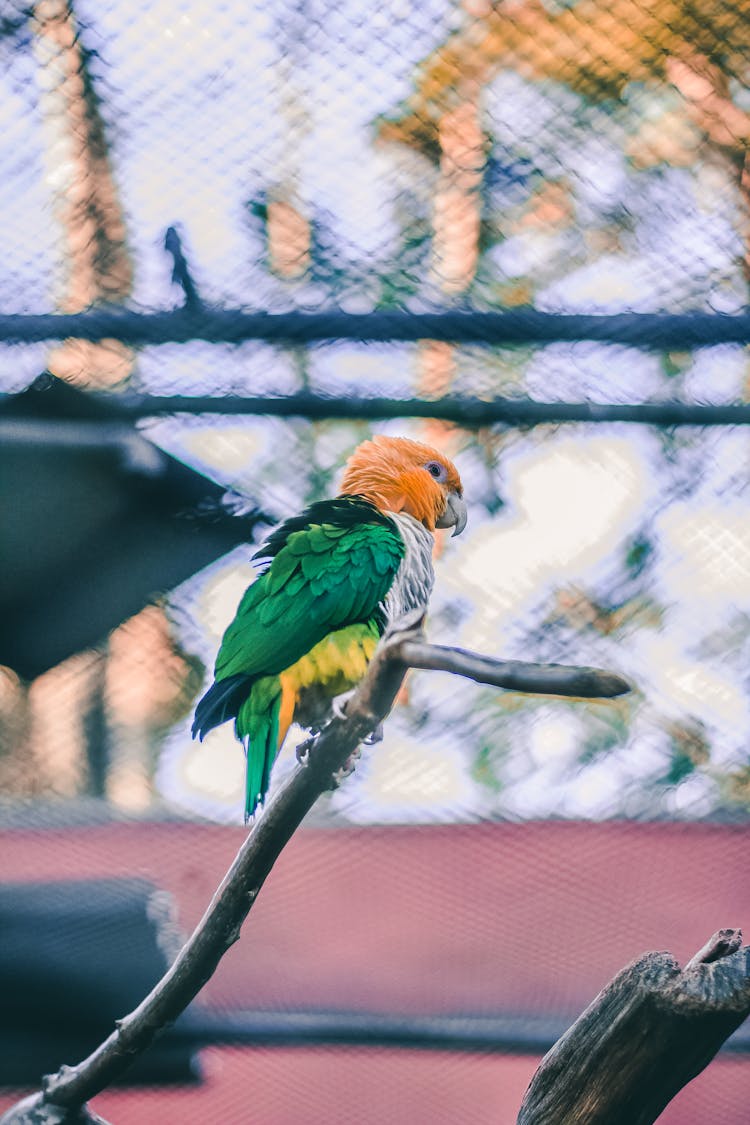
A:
[611, 685]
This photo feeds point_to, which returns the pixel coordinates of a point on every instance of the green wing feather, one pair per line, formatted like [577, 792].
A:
[319, 581]
[329, 568]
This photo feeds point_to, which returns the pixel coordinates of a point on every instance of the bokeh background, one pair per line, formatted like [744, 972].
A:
[577, 157]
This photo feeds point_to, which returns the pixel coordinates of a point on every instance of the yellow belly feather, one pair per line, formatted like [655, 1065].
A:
[333, 666]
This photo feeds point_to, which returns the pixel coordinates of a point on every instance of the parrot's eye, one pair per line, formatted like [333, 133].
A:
[437, 471]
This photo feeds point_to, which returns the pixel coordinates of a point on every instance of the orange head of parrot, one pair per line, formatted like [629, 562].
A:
[400, 475]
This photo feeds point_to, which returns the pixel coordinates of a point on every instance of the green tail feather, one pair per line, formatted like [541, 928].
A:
[258, 727]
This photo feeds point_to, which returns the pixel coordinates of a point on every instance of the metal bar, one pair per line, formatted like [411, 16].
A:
[533, 1035]
[516, 326]
[467, 412]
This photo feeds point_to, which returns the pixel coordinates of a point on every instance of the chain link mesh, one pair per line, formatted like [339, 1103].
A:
[577, 157]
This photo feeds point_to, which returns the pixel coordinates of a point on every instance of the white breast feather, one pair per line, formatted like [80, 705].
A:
[415, 577]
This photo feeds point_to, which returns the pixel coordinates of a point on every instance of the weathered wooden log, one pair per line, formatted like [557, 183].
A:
[648, 1032]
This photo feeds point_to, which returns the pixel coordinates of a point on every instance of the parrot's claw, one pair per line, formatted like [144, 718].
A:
[347, 769]
[409, 622]
[375, 737]
[302, 749]
[339, 702]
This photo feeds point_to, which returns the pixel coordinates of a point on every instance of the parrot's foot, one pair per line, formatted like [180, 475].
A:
[339, 702]
[409, 622]
[347, 769]
[302, 749]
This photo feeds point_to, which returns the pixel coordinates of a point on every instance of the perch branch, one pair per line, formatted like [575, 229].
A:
[648, 1032]
[220, 926]
[514, 675]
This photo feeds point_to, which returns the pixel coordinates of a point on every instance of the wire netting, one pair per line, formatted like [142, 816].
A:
[580, 158]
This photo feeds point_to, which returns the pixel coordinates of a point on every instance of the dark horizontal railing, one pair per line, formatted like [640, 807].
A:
[513, 1034]
[126, 408]
[469, 412]
[196, 321]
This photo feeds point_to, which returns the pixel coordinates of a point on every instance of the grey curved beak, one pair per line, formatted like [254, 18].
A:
[454, 515]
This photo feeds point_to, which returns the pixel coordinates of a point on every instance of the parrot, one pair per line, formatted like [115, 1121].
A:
[329, 582]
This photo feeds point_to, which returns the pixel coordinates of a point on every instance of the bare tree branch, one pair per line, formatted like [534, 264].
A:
[514, 675]
[220, 926]
[653, 1028]
[181, 274]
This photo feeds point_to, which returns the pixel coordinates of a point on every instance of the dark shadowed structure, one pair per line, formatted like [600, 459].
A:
[97, 521]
